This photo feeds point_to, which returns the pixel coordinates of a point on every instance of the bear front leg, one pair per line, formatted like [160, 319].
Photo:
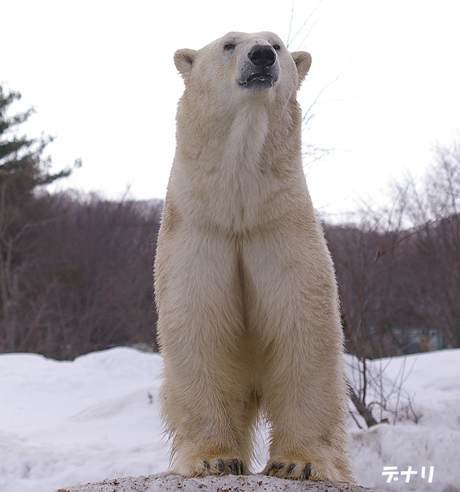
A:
[206, 398]
[307, 417]
[308, 421]
[206, 430]
[291, 287]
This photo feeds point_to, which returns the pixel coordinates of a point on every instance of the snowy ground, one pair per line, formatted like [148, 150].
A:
[68, 423]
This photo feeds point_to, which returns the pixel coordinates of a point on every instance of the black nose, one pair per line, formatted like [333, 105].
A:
[262, 56]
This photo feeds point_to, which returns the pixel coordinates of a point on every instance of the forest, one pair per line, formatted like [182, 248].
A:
[76, 269]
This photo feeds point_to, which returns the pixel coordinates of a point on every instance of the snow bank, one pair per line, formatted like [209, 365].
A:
[96, 418]
[432, 380]
[65, 423]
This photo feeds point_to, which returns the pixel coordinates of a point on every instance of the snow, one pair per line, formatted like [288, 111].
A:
[69, 423]
[432, 381]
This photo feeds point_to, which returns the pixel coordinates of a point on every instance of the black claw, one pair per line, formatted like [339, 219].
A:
[271, 467]
[307, 471]
[206, 464]
[291, 467]
[236, 466]
[229, 463]
[281, 466]
[221, 466]
[241, 468]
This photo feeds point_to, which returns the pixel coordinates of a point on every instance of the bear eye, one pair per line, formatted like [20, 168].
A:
[277, 47]
[229, 46]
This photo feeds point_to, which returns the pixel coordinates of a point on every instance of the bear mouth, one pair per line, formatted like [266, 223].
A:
[258, 81]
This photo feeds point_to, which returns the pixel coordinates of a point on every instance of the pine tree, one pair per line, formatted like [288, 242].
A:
[22, 166]
[23, 170]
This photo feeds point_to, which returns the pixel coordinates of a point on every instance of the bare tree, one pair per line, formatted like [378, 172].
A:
[297, 39]
[432, 208]
[398, 270]
[88, 284]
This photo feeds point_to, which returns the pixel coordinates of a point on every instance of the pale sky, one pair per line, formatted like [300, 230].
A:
[101, 76]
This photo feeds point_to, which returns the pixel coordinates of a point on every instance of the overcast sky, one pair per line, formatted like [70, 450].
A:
[101, 76]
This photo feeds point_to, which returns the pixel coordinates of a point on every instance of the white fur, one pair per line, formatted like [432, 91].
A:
[245, 287]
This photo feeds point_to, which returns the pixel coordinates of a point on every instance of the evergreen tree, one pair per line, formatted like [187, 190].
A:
[22, 166]
[23, 169]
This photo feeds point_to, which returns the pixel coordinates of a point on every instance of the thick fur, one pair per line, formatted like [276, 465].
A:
[245, 287]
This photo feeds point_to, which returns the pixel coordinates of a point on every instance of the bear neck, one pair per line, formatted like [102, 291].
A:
[246, 136]
[241, 135]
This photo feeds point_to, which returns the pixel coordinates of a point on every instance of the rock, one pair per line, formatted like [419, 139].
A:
[226, 483]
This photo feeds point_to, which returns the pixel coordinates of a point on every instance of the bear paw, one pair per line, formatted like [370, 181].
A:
[316, 469]
[295, 470]
[220, 466]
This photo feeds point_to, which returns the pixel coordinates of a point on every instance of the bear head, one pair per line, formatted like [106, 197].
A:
[239, 64]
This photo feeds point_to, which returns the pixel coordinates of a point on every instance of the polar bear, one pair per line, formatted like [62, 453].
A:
[245, 288]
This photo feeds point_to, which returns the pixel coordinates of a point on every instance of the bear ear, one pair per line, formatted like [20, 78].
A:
[303, 61]
[184, 60]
